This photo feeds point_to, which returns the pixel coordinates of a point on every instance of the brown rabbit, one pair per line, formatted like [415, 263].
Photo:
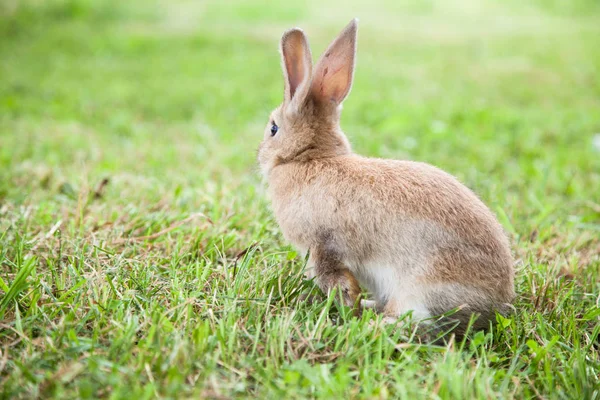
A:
[411, 234]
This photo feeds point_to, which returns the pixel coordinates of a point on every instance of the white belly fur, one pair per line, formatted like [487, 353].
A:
[394, 294]
[392, 276]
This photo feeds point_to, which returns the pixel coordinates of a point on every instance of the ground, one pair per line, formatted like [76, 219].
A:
[138, 254]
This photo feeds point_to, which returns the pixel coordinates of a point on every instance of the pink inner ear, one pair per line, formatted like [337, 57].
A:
[332, 86]
[333, 73]
[294, 51]
[295, 73]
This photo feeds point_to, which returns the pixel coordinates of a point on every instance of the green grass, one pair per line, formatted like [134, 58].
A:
[172, 279]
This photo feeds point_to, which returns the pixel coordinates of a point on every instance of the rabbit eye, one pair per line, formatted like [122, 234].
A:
[274, 129]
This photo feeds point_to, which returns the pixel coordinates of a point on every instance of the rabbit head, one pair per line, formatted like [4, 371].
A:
[306, 125]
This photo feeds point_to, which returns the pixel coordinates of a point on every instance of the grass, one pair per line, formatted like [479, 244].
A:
[138, 255]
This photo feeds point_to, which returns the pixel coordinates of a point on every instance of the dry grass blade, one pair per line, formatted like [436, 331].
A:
[164, 231]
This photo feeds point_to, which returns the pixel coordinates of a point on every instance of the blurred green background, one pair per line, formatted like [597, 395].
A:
[166, 101]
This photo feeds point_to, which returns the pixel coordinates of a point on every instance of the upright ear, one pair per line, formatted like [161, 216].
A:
[333, 74]
[296, 62]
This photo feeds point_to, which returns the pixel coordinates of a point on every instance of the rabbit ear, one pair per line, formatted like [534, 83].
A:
[334, 71]
[296, 62]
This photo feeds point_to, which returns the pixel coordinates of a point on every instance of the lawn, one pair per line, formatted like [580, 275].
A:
[138, 254]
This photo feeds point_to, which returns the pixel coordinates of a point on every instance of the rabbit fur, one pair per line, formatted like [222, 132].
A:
[411, 234]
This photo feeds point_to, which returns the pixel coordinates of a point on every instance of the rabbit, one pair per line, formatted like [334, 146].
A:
[411, 234]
